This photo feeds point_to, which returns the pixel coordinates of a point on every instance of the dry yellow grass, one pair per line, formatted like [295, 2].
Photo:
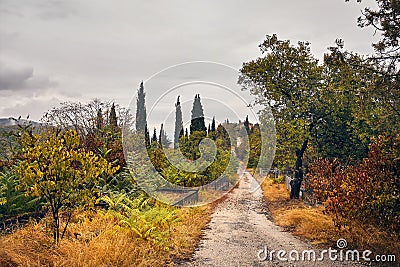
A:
[313, 224]
[307, 222]
[293, 215]
[99, 244]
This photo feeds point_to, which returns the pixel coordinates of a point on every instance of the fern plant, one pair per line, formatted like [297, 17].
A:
[13, 201]
[145, 220]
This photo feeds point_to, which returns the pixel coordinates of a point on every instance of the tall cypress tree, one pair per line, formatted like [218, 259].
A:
[146, 137]
[99, 119]
[163, 139]
[197, 122]
[247, 124]
[160, 137]
[178, 123]
[213, 124]
[154, 138]
[113, 121]
[211, 133]
[141, 109]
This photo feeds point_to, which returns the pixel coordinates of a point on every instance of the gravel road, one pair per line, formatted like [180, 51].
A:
[240, 227]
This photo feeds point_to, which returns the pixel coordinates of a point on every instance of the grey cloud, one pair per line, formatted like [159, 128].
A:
[55, 9]
[104, 49]
[21, 78]
[34, 107]
[44, 9]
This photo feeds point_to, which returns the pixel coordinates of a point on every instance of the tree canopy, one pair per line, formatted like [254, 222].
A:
[314, 105]
[56, 168]
[197, 121]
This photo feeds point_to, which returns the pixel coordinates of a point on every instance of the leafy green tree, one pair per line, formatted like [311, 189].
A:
[334, 108]
[254, 146]
[385, 20]
[344, 129]
[55, 167]
[384, 95]
[314, 105]
[287, 78]
[178, 123]
[141, 116]
[191, 148]
[224, 164]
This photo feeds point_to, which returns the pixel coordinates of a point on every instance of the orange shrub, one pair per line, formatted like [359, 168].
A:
[368, 192]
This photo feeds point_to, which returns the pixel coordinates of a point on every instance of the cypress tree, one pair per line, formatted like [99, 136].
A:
[146, 136]
[99, 119]
[211, 130]
[141, 109]
[154, 138]
[178, 123]
[113, 117]
[222, 135]
[161, 135]
[247, 124]
[197, 121]
[163, 138]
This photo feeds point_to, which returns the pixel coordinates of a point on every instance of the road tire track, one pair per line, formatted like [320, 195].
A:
[240, 227]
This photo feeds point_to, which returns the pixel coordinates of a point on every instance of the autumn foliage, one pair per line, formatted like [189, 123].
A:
[56, 168]
[367, 192]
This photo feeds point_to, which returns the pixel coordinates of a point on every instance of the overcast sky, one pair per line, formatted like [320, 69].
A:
[53, 51]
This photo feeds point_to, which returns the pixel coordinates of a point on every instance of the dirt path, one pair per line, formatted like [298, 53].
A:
[240, 227]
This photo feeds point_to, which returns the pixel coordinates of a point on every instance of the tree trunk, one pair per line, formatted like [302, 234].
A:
[295, 184]
[66, 225]
[56, 233]
[56, 225]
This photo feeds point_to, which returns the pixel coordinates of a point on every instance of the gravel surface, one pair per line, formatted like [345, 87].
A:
[240, 227]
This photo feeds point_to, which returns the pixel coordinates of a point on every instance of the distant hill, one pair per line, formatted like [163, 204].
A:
[7, 126]
[8, 122]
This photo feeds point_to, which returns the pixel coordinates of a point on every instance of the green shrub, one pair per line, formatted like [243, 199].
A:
[12, 200]
[142, 218]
